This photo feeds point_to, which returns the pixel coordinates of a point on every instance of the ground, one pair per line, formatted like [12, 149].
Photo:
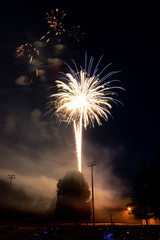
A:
[71, 232]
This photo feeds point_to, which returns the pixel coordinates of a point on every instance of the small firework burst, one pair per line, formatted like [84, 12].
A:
[54, 20]
[57, 28]
[27, 51]
[77, 33]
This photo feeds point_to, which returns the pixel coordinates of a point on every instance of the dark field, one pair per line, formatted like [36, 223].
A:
[82, 233]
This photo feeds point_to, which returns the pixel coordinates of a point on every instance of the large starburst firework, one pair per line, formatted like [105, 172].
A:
[83, 98]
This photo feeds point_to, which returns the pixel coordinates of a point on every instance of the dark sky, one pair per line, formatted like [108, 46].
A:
[127, 34]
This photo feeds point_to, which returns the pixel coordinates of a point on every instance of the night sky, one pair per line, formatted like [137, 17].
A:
[35, 146]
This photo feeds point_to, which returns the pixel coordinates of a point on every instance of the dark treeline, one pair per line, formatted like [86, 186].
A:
[72, 202]
[145, 198]
[16, 204]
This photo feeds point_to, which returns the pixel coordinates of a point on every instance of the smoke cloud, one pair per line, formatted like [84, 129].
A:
[40, 152]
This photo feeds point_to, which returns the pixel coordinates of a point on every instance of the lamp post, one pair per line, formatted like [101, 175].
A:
[10, 177]
[91, 165]
[129, 210]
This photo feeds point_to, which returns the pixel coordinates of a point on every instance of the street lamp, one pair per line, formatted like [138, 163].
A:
[10, 177]
[91, 165]
[129, 209]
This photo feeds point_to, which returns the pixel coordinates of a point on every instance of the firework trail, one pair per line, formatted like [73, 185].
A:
[83, 98]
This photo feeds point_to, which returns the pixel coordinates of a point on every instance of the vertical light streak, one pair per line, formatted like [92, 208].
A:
[78, 141]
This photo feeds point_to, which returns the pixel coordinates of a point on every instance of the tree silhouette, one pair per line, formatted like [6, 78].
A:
[145, 199]
[141, 198]
[73, 197]
[153, 171]
[24, 206]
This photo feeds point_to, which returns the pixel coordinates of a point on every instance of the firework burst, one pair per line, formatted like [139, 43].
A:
[27, 51]
[57, 28]
[76, 33]
[83, 98]
[54, 20]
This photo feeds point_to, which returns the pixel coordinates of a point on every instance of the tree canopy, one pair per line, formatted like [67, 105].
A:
[73, 197]
[145, 199]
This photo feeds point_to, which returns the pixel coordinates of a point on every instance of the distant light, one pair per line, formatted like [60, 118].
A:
[45, 232]
[108, 236]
